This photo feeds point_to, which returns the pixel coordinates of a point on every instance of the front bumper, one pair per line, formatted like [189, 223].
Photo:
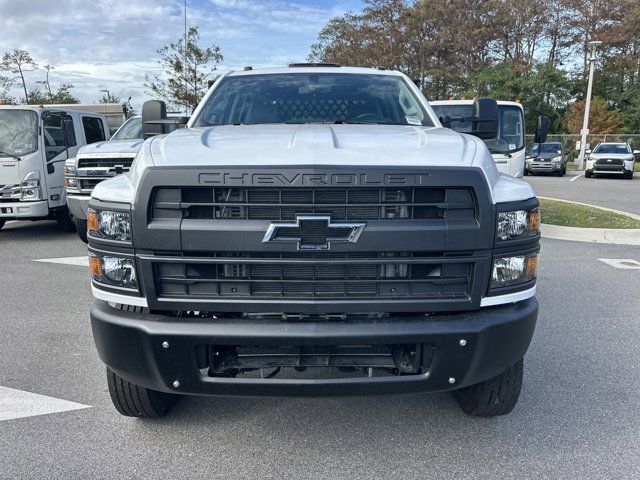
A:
[132, 346]
[544, 167]
[24, 210]
[78, 205]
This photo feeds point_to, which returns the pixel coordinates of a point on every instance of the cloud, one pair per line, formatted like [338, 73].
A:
[112, 43]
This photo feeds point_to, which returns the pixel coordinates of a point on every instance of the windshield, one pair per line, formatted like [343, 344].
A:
[313, 98]
[18, 132]
[510, 120]
[130, 130]
[612, 148]
[547, 148]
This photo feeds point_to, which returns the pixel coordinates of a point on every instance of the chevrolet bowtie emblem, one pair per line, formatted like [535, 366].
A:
[313, 232]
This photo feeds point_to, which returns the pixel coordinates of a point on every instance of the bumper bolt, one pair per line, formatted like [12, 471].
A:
[463, 342]
[165, 344]
[176, 384]
[452, 380]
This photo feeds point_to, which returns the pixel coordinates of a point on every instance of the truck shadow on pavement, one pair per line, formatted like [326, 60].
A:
[35, 231]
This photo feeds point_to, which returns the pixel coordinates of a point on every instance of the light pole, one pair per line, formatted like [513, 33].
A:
[108, 95]
[585, 124]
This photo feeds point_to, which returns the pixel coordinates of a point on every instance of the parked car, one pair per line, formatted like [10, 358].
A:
[547, 157]
[611, 159]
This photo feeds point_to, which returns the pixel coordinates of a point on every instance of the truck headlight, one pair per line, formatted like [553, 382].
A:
[518, 224]
[70, 169]
[113, 270]
[509, 271]
[109, 224]
[556, 159]
[71, 182]
[30, 187]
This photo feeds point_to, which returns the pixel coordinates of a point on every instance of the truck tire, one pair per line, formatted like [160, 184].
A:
[628, 175]
[493, 397]
[2, 222]
[131, 400]
[65, 222]
[81, 227]
[587, 174]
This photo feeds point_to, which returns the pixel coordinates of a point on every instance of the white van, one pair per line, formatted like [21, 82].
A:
[34, 144]
[507, 149]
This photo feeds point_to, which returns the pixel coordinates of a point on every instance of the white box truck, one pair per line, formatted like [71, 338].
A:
[35, 142]
[508, 148]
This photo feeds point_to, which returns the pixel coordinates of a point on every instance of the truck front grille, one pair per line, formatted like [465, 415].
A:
[102, 162]
[354, 203]
[314, 275]
[88, 184]
[609, 162]
[9, 193]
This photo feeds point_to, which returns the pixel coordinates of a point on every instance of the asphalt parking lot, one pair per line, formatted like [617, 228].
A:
[609, 192]
[578, 415]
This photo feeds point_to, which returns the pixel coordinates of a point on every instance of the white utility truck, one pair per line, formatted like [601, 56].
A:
[508, 148]
[99, 161]
[34, 144]
[314, 231]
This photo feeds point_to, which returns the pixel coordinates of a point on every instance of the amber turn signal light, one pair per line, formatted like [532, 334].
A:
[92, 220]
[531, 266]
[95, 264]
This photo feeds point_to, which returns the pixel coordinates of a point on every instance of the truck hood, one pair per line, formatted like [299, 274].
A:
[620, 156]
[112, 146]
[314, 145]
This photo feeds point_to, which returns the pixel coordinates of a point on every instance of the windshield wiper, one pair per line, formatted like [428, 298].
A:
[10, 155]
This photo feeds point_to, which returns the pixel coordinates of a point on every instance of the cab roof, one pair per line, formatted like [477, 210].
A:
[314, 69]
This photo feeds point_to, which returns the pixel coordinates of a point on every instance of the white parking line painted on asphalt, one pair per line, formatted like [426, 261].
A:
[622, 263]
[79, 261]
[576, 177]
[20, 404]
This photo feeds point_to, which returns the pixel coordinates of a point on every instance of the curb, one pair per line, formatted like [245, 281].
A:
[617, 236]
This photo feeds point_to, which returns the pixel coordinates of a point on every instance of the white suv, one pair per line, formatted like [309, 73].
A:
[611, 159]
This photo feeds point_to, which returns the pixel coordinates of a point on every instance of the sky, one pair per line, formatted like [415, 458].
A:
[111, 44]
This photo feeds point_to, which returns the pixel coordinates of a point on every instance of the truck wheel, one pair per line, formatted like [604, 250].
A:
[496, 396]
[628, 175]
[2, 222]
[134, 401]
[81, 227]
[587, 174]
[65, 221]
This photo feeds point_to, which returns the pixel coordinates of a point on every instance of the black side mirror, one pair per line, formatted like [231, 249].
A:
[154, 112]
[485, 118]
[542, 129]
[68, 133]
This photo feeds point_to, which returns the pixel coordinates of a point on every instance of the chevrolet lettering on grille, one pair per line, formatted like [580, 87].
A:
[313, 232]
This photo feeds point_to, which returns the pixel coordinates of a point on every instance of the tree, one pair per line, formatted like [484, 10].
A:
[188, 67]
[109, 98]
[602, 119]
[5, 97]
[18, 62]
[63, 94]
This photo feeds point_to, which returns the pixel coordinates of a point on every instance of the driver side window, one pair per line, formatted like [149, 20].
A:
[53, 135]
